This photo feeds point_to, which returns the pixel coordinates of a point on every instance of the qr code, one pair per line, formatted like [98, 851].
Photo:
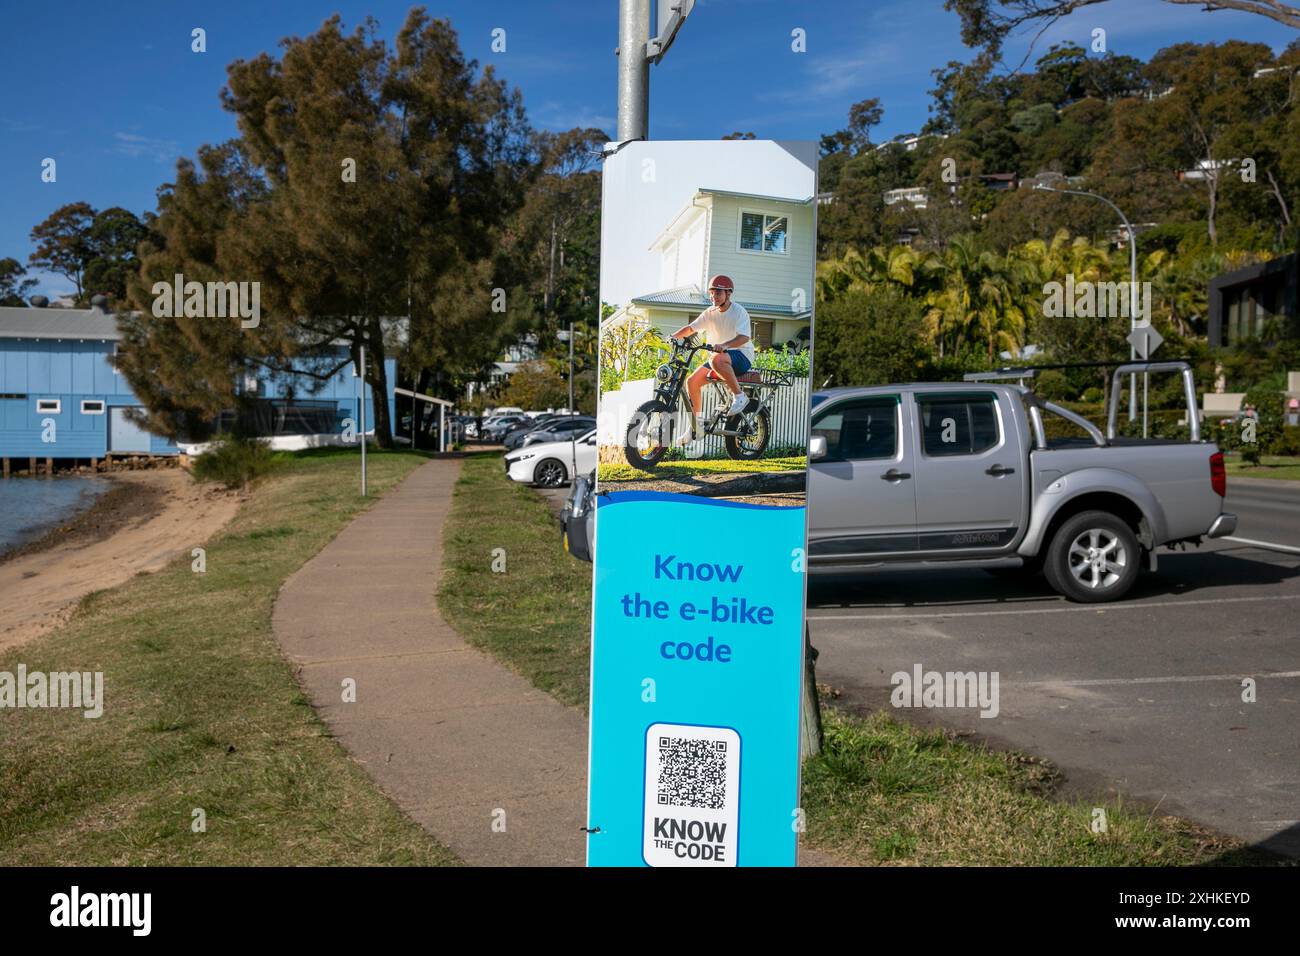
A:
[692, 773]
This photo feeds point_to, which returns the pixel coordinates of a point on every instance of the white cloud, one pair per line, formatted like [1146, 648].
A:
[556, 116]
[149, 147]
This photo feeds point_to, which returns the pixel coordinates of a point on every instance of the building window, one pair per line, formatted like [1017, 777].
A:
[52, 406]
[762, 329]
[763, 232]
[92, 406]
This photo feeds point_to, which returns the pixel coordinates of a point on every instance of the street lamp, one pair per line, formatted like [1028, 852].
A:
[1132, 282]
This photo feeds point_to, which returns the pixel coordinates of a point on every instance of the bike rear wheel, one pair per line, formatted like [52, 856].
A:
[749, 446]
[649, 435]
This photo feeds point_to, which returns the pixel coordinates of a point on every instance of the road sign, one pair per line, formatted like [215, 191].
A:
[671, 14]
[1145, 340]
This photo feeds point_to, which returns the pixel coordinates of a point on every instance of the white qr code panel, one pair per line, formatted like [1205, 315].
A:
[692, 795]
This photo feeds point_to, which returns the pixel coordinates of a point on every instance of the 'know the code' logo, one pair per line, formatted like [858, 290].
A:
[692, 795]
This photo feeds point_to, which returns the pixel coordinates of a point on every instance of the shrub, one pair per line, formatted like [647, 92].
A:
[233, 461]
[1289, 442]
[1053, 386]
[1092, 396]
[1267, 400]
[783, 359]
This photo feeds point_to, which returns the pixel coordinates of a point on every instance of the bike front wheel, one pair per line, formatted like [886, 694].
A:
[649, 435]
[753, 432]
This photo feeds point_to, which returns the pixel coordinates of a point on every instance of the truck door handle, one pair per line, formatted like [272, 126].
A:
[997, 471]
[895, 475]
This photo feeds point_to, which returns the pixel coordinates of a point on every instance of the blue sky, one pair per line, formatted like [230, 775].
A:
[113, 92]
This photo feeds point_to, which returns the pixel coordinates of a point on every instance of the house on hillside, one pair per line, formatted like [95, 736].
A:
[514, 355]
[1260, 302]
[764, 243]
[62, 399]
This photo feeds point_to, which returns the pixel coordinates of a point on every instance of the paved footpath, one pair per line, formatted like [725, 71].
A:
[449, 733]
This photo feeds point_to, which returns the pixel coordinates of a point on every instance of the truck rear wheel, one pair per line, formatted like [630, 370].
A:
[1094, 557]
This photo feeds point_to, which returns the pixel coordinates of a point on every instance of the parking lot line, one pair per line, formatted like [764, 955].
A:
[1079, 609]
[1269, 545]
[1100, 681]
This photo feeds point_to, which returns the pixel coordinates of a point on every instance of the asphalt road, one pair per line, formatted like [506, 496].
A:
[1143, 698]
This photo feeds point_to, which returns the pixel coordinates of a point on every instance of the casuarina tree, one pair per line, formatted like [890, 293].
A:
[367, 183]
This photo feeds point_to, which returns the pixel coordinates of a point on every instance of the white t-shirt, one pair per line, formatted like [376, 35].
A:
[724, 326]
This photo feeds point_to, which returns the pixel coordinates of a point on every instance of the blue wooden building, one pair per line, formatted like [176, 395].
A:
[61, 398]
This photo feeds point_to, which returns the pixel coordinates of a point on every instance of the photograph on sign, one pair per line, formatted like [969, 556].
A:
[707, 262]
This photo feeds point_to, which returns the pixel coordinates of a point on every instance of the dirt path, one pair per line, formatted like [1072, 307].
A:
[39, 590]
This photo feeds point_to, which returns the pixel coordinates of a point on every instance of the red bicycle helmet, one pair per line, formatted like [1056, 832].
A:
[722, 282]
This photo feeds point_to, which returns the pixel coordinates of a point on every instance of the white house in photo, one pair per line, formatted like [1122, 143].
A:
[764, 243]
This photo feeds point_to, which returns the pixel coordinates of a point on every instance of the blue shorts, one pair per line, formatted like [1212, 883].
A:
[740, 363]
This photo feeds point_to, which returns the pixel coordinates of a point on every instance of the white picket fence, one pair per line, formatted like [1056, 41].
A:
[787, 407]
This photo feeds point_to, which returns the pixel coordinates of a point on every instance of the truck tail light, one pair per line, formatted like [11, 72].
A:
[1218, 474]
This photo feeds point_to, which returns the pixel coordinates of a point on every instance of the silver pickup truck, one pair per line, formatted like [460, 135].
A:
[940, 475]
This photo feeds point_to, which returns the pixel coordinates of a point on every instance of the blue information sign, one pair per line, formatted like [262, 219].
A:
[707, 259]
[696, 683]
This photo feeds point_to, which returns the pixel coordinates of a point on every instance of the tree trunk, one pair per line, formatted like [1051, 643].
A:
[383, 424]
[1277, 194]
[810, 723]
[1212, 181]
[422, 383]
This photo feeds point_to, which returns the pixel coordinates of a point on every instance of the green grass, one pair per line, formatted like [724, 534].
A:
[881, 792]
[684, 469]
[201, 710]
[536, 615]
[885, 792]
[1270, 466]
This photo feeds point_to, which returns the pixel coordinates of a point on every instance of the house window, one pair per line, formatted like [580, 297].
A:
[51, 405]
[763, 232]
[762, 329]
[92, 406]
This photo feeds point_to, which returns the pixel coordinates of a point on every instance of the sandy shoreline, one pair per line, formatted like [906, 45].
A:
[139, 525]
[118, 503]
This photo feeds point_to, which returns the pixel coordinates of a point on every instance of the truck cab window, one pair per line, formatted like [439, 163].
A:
[856, 431]
[952, 425]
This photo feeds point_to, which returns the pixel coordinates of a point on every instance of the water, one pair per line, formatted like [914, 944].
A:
[30, 506]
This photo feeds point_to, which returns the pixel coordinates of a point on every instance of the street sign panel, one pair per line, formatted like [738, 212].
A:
[1145, 340]
[698, 594]
[671, 14]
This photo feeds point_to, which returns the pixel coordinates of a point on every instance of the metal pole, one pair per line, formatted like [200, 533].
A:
[442, 428]
[1132, 285]
[633, 70]
[1146, 403]
[362, 405]
[573, 445]
[1132, 322]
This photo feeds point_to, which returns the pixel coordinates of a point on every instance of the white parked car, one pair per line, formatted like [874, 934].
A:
[551, 464]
